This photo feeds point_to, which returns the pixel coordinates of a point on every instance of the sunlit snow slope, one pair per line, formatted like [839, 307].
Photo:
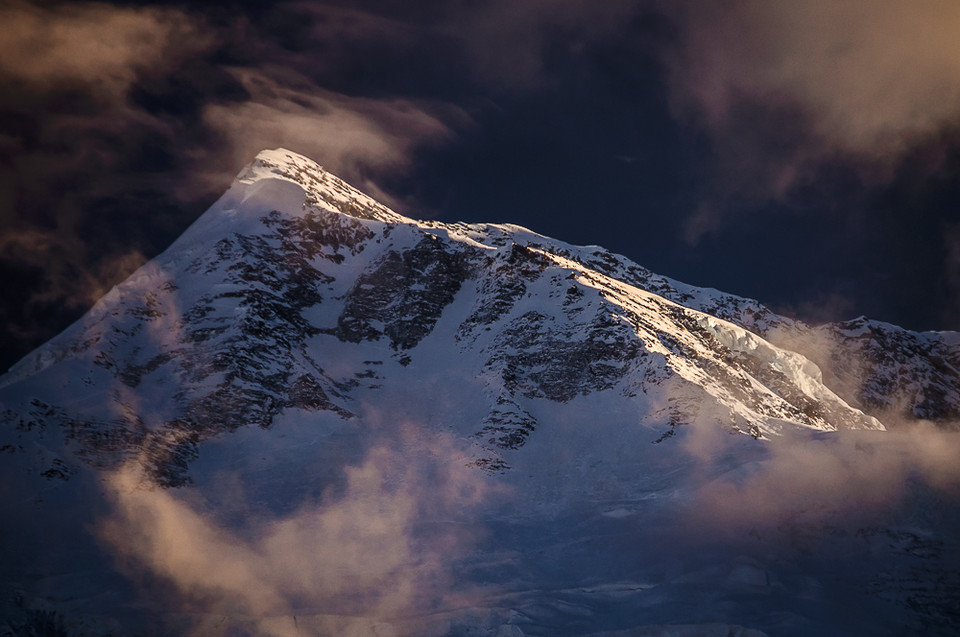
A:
[295, 291]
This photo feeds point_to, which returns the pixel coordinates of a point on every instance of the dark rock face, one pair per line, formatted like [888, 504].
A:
[235, 349]
[507, 426]
[502, 282]
[253, 336]
[250, 335]
[892, 372]
[403, 295]
[538, 359]
[319, 234]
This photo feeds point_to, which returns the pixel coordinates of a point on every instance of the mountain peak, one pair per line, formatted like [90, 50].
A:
[295, 289]
[280, 163]
[320, 188]
[302, 342]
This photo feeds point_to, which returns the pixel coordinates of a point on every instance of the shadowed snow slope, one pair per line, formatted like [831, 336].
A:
[312, 415]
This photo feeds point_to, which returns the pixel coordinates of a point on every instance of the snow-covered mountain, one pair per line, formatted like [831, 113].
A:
[518, 409]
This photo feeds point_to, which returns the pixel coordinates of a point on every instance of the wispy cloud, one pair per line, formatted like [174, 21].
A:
[846, 478]
[120, 124]
[77, 286]
[798, 99]
[383, 548]
[100, 47]
[356, 138]
[869, 78]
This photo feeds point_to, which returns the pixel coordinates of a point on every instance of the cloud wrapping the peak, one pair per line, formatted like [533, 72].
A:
[356, 138]
[118, 125]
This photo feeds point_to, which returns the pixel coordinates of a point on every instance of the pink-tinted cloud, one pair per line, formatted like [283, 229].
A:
[794, 95]
[870, 77]
[355, 138]
[121, 123]
[843, 478]
[352, 561]
[96, 45]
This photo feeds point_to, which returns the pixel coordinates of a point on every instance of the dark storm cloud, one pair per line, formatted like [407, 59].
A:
[510, 45]
[452, 48]
[72, 147]
[790, 93]
[94, 45]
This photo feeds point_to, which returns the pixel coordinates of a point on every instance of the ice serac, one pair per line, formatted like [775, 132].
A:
[299, 327]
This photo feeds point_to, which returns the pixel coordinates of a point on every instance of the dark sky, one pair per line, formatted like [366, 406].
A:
[804, 154]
